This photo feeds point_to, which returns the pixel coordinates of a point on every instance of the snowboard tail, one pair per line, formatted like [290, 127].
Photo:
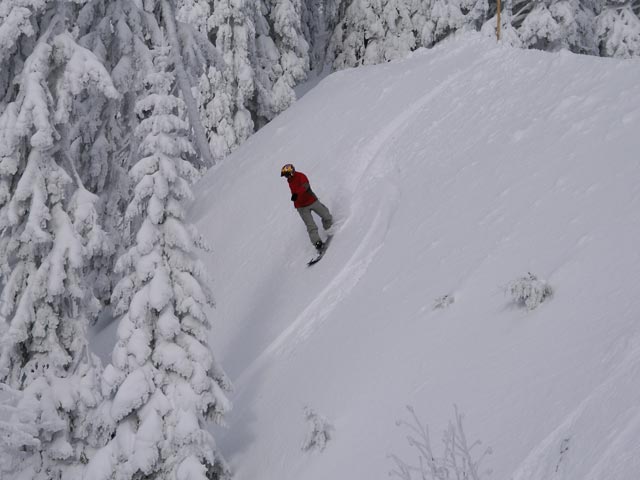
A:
[317, 258]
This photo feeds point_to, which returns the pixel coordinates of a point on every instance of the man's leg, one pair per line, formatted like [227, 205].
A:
[312, 228]
[323, 212]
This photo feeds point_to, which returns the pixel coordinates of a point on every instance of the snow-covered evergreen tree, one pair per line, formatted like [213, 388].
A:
[400, 35]
[357, 38]
[540, 29]
[18, 432]
[266, 65]
[86, 143]
[508, 33]
[101, 140]
[316, 25]
[228, 90]
[264, 48]
[46, 303]
[19, 30]
[618, 29]
[554, 24]
[163, 382]
[448, 16]
[375, 31]
[191, 52]
[120, 32]
[98, 135]
[293, 49]
[196, 13]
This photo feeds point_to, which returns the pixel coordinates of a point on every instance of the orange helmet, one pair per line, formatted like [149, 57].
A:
[287, 170]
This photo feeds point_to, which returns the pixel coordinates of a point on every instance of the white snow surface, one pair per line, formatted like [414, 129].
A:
[455, 171]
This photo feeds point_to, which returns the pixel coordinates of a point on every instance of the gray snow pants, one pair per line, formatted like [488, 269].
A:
[307, 218]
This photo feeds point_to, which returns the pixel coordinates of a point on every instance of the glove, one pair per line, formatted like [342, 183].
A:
[294, 197]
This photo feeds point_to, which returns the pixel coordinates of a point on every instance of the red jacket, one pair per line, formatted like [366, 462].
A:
[299, 184]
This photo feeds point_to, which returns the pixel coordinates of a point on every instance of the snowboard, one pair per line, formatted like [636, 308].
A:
[317, 258]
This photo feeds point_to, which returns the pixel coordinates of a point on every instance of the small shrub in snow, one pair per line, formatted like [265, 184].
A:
[320, 431]
[529, 291]
[443, 301]
[455, 462]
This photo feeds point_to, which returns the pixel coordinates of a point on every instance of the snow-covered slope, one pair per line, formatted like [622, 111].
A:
[453, 172]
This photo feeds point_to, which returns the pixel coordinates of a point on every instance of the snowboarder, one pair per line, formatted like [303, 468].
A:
[305, 201]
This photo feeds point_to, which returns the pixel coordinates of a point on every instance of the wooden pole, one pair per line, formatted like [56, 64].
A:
[498, 26]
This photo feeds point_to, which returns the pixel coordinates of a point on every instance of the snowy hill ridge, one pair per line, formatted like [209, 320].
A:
[453, 172]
